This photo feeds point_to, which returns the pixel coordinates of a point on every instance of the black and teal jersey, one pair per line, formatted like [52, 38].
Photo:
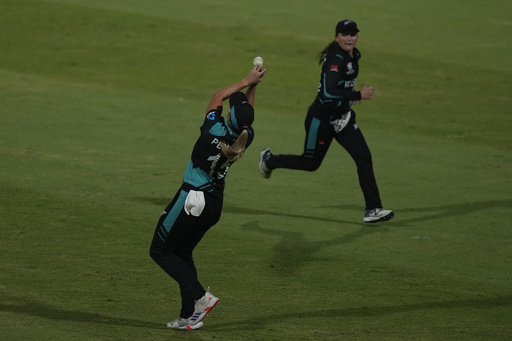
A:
[336, 87]
[208, 167]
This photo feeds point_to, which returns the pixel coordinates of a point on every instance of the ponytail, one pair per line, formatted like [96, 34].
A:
[322, 54]
[236, 150]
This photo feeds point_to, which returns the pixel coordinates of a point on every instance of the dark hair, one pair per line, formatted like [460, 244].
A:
[322, 54]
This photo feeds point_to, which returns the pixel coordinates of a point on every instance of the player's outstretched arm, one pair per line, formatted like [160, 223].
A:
[250, 93]
[256, 75]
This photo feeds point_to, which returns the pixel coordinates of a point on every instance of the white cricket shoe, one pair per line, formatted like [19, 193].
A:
[183, 323]
[264, 170]
[377, 214]
[203, 306]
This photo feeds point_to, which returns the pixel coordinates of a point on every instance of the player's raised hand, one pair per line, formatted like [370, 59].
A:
[257, 74]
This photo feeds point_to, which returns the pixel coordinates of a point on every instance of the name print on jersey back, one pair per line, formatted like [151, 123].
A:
[208, 166]
[221, 171]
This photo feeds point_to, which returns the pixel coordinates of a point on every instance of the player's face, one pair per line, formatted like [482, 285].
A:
[347, 40]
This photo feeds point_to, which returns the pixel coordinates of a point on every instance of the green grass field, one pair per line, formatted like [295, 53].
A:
[100, 104]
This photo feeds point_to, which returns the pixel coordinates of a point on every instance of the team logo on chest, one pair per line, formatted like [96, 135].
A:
[350, 69]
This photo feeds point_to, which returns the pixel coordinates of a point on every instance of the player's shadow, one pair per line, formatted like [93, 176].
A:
[410, 215]
[402, 215]
[253, 211]
[402, 218]
[293, 251]
[25, 306]
[159, 201]
[268, 319]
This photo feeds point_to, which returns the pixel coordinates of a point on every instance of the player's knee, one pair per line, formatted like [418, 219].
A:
[153, 253]
[311, 165]
[363, 159]
[156, 251]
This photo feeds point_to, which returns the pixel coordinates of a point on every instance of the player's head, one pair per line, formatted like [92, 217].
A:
[347, 27]
[241, 113]
[345, 36]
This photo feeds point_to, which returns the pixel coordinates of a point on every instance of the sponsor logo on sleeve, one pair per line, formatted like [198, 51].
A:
[211, 115]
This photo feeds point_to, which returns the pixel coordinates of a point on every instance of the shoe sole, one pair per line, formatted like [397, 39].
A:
[214, 301]
[385, 218]
[211, 304]
[188, 327]
[263, 173]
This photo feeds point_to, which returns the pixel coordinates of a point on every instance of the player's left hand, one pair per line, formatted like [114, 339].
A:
[367, 91]
[257, 74]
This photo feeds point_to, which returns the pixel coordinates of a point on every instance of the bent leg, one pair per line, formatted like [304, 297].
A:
[175, 237]
[319, 136]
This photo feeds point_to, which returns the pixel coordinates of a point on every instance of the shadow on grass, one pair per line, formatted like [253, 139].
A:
[37, 309]
[267, 320]
[426, 213]
[164, 201]
[436, 212]
[293, 250]
[159, 201]
[253, 211]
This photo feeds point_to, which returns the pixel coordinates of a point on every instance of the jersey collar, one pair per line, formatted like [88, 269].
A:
[231, 131]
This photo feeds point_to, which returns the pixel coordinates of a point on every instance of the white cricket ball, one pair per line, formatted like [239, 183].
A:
[258, 61]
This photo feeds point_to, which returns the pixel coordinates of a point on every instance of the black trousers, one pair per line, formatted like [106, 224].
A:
[176, 235]
[319, 135]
